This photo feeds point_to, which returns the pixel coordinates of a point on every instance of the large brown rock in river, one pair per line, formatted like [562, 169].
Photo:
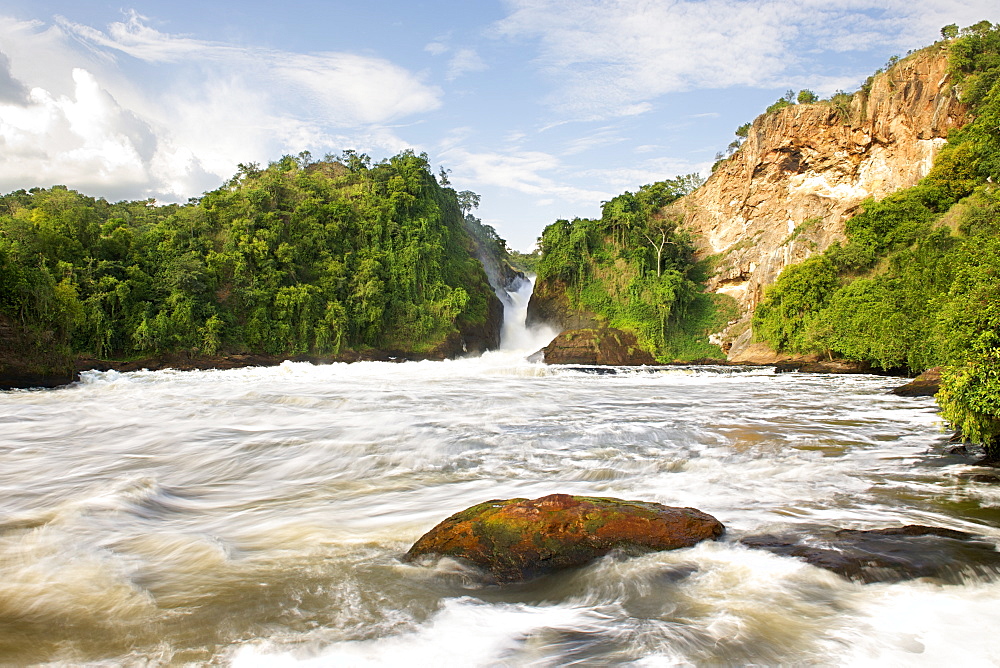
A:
[601, 346]
[518, 539]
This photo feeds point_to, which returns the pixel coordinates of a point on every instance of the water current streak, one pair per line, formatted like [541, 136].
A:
[257, 516]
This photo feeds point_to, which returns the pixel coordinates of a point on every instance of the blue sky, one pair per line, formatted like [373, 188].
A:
[544, 107]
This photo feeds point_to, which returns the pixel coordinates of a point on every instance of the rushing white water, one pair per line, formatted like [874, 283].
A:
[257, 516]
[516, 336]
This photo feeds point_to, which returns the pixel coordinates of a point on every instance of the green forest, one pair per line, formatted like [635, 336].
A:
[917, 283]
[635, 269]
[300, 257]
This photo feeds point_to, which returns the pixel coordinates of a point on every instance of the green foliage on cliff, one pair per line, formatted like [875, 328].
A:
[917, 283]
[299, 257]
[526, 262]
[634, 268]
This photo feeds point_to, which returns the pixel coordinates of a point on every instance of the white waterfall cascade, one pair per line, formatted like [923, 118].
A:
[516, 336]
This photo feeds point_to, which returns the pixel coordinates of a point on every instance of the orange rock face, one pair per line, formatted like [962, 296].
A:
[804, 170]
[518, 539]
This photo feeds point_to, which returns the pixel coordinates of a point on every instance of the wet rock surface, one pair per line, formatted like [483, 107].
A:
[597, 346]
[888, 555]
[824, 366]
[984, 478]
[518, 539]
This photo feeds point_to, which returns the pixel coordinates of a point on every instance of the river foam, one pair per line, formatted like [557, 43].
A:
[257, 516]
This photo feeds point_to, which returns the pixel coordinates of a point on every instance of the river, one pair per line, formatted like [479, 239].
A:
[257, 517]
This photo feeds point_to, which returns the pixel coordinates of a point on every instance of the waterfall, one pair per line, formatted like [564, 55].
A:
[515, 335]
[513, 288]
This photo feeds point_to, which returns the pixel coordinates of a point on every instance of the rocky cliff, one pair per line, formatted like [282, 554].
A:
[805, 169]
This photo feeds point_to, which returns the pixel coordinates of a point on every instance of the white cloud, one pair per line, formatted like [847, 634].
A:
[464, 61]
[526, 172]
[11, 90]
[605, 136]
[356, 89]
[515, 137]
[202, 108]
[135, 38]
[85, 140]
[454, 137]
[611, 57]
[619, 179]
[436, 48]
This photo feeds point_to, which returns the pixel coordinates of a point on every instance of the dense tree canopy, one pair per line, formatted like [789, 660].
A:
[636, 269]
[298, 257]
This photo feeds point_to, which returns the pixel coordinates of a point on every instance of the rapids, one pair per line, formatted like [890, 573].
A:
[257, 516]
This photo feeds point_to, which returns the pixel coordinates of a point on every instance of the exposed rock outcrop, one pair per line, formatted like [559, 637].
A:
[550, 306]
[600, 346]
[926, 384]
[889, 555]
[803, 171]
[518, 539]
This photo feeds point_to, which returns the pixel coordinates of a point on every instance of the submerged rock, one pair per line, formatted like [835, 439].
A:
[821, 366]
[983, 477]
[518, 539]
[604, 345]
[889, 555]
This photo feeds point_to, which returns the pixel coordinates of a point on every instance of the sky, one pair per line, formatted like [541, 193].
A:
[545, 108]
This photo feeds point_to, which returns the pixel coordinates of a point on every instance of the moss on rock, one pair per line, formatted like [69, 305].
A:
[518, 539]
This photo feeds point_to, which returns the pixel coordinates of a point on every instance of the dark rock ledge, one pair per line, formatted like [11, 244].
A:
[926, 384]
[596, 346]
[889, 555]
[13, 377]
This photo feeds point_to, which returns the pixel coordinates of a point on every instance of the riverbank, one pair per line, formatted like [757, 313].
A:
[14, 378]
[23, 367]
